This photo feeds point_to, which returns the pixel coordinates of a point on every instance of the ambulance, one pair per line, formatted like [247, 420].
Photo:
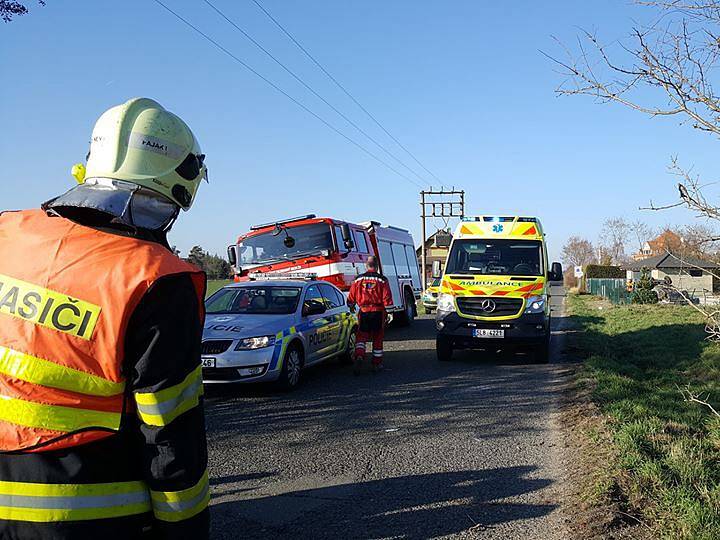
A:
[494, 291]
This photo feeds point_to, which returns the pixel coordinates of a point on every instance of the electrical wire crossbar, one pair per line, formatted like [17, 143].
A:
[284, 93]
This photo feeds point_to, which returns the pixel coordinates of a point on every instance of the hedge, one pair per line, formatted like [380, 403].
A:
[602, 271]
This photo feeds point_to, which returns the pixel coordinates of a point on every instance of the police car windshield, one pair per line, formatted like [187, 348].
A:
[496, 257]
[254, 300]
[268, 247]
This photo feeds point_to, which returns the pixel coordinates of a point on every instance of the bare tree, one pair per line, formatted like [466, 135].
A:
[668, 68]
[614, 237]
[642, 233]
[577, 252]
[10, 9]
[700, 240]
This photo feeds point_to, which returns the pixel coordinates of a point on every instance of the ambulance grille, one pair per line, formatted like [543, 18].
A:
[504, 307]
[216, 346]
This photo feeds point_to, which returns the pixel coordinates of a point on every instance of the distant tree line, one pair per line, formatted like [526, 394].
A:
[214, 266]
[621, 240]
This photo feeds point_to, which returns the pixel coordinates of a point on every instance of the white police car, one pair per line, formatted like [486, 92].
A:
[270, 329]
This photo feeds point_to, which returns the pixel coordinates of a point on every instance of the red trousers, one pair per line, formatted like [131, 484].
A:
[377, 343]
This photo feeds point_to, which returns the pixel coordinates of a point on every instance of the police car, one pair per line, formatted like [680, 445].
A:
[270, 328]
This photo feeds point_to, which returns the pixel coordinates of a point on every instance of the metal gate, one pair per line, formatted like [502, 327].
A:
[613, 289]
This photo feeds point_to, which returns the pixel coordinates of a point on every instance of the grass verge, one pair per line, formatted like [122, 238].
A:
[215, 284]
[666, 452]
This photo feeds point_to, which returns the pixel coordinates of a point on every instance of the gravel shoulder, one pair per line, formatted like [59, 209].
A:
[466, 449]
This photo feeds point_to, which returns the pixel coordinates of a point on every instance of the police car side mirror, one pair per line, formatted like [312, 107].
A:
[313, 307]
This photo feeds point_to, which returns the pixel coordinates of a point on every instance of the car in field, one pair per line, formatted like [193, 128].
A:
[430, 295]
[270, 329]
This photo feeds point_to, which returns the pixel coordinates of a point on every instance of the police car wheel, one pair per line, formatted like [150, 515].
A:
[348, 356]
[292, 368]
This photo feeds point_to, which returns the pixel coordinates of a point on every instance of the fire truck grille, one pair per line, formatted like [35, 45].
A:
[216, 346]
[477, 306]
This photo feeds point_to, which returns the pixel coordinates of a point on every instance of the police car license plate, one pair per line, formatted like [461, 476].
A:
[208, 362]
[485, 333]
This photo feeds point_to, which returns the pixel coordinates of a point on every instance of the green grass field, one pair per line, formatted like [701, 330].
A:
[668, 450]
[215, 284]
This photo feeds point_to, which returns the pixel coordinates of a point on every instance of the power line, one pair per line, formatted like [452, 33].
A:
[277, 88]
[312, 90]
[345, 91]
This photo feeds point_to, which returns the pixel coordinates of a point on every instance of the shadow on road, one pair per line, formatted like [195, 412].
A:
[415, 506]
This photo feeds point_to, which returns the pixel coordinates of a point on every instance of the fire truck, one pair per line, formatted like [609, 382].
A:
[332, 250]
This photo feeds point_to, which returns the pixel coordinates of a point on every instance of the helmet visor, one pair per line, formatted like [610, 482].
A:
[129, 202]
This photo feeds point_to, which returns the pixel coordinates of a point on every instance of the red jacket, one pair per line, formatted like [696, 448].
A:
[371, 292]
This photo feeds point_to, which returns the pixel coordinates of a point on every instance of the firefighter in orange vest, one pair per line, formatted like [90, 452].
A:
[371, 293]
[102, 432]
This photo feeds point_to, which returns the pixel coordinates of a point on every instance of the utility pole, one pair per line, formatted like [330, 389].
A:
[442, 204]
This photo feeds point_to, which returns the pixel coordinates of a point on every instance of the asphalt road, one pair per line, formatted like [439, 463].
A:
[466, 449]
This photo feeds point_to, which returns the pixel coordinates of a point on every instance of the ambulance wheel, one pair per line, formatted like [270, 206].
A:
[542, 352]
[291, 368]
[444, 349]
[348, 357]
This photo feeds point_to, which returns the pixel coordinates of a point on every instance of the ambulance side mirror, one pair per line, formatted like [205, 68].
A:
[347, 236]
[556, 272]
[436, 271]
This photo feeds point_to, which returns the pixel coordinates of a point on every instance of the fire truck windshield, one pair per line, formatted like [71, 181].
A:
[268, 247]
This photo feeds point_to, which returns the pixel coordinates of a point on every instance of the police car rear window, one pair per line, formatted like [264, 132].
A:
[254, 300]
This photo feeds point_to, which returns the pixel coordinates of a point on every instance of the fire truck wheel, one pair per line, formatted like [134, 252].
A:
[407, 315]
[348, 356]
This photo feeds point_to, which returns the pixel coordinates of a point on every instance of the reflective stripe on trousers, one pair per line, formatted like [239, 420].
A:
[184, 504]
[24, 501]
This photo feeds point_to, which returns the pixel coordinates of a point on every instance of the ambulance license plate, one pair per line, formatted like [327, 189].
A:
[208, 362]
[485, 333]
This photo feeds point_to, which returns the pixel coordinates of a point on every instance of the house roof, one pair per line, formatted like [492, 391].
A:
[669, 261]
[667, 240]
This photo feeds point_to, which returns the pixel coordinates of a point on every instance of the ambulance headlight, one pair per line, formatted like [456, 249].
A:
[252, 343]
[536, 304]
[446, 303]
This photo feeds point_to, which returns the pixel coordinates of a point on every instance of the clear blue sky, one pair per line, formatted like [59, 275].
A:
[462, 84]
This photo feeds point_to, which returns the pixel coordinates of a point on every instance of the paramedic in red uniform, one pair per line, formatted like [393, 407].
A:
[371, 293]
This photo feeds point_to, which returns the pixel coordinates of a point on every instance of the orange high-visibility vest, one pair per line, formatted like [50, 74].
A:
[67, 293]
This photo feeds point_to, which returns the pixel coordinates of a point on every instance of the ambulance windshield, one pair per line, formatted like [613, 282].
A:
[496, 257]
[273, 247]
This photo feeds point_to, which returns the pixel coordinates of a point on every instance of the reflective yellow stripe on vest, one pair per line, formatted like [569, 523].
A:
[26, 501]
[54, 417]
[162, 407]
[46, 373]
[180, 505]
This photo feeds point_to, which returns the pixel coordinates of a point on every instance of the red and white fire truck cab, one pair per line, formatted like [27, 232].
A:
[334, 251]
